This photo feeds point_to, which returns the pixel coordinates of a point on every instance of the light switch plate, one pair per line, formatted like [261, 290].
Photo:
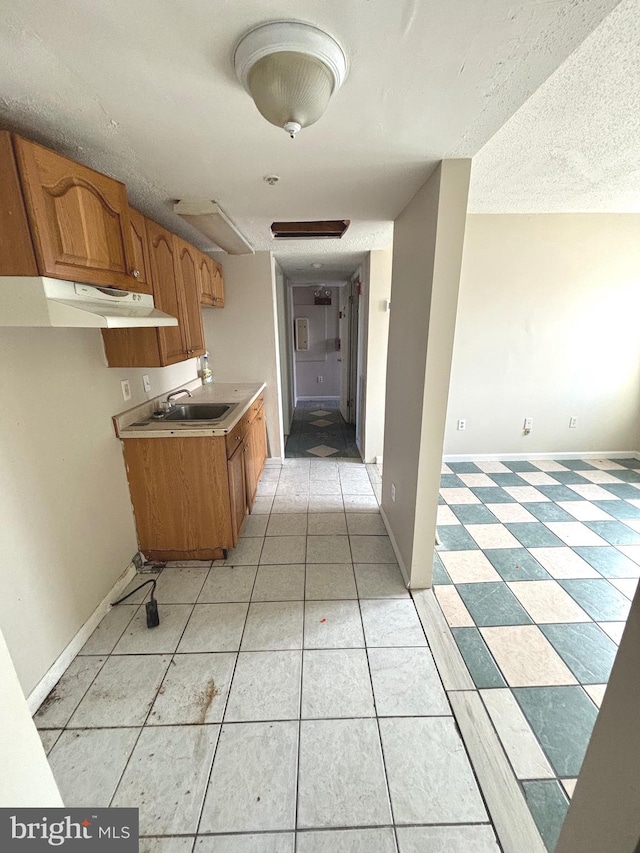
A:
[126, 389]
[146, 383]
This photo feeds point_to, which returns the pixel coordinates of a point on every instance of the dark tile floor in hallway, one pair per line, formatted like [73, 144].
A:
[319, 431]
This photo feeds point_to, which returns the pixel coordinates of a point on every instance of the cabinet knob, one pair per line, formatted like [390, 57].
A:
[135, 273]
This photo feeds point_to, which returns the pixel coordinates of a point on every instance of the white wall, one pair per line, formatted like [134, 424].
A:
[376, 293]
[242, 338]
[322, 358]
[26, 779]
[427, 254]
[67, 525]
[547, 328]
[283, 294]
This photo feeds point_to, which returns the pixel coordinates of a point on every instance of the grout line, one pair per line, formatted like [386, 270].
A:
[223, 714]
[302, 651]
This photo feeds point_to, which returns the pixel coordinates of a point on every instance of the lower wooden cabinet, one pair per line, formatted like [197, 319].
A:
[190, 496]
[237, 491]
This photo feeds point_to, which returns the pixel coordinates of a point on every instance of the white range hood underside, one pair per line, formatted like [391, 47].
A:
[50, 302]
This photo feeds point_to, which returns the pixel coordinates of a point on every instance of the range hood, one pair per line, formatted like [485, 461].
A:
[50, 302]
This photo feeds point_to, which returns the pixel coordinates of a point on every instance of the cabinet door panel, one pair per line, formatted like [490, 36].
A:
[237, 491]
[206, 274]
[79, 218]
[218, 285]
[165, 292]
[140, 251]
[189, 291]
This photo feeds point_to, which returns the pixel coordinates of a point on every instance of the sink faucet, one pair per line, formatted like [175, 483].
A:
[175, 393]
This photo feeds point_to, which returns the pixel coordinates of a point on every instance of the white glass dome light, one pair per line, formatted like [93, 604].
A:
[291, 70]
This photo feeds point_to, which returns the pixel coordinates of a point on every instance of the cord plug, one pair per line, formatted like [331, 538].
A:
[153, 618]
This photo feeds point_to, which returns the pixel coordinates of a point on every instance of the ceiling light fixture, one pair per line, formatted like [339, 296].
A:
[212, 221]
[291, 70]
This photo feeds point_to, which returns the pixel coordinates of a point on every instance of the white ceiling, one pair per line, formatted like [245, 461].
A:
[575, 144]
[145, 91]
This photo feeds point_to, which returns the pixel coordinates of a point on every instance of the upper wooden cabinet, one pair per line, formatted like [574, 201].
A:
[187, 273]
[142, 268]
[78, 218]
[211, 282]
[176, 291]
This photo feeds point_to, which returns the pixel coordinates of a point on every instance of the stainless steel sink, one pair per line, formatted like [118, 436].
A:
[199, 412]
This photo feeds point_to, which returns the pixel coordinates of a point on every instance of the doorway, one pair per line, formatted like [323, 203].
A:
[324, 340]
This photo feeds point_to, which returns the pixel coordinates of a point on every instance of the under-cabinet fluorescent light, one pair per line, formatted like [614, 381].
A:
[212, 221]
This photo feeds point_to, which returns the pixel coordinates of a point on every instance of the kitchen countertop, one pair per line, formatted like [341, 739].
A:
[136, 423]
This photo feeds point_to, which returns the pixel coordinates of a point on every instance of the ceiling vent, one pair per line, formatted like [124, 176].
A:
[326, 229]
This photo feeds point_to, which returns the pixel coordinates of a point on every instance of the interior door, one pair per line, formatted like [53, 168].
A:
[344, 351]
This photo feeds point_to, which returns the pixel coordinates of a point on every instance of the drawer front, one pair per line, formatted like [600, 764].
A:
[255, 408]
[234, 438]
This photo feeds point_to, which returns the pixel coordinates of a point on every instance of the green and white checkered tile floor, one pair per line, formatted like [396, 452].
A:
[535, 573]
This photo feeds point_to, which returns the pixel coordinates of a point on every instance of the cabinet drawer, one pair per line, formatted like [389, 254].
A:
[236, 435]
[255, 408]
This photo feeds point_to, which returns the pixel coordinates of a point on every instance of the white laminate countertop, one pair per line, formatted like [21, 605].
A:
[137, 422]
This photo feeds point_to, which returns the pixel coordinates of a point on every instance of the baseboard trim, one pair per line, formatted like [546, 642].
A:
[273, 461]
[311, 399]
[55, 672]
[516, 457]
[396, 550]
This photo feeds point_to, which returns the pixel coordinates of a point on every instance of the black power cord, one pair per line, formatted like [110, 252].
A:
[153, 618]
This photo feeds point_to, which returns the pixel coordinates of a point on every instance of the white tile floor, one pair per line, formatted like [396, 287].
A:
[288, 701]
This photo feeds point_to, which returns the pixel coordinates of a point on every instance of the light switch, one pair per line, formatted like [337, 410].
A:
[146, 383]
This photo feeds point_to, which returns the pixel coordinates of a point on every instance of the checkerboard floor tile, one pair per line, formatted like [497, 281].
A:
[535, 581]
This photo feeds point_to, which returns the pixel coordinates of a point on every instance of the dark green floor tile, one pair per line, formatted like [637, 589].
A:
[602, 602]
[453, 537]
[478, 658]
[562, 718]
[618, 509]
[559, 493]
[576, 464]
[549, 805]
[440, 575]
[585, 649]
[516, 564]
[464, 467]
[493, 495]
[473, 514]
[626, 491]
[519, 465]
[614, 532]
[492, 604]
[609, 561]
[568, 478]
[441, 500]
[627, 463]
[628, 476]
[451, 481]
[534, 534]
[508, 480]
[548, 511]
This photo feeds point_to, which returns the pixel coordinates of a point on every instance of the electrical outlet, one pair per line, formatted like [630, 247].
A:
[393, 491]
[462, 423]
[528, 423]
[320, 379]
[573, 422]
[126, 389]
[146, 383]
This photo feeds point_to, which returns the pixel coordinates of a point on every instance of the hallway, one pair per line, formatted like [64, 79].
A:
[318, 430]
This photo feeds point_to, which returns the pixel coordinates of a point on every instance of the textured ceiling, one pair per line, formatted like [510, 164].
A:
[575, 144]
[145, 91]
